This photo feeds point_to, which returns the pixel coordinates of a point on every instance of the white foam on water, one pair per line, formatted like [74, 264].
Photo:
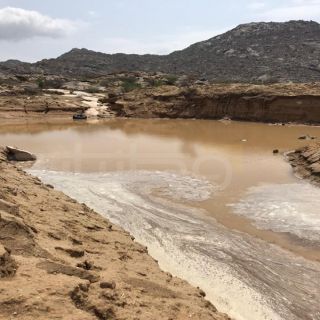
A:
[293, 208]
[244, 277]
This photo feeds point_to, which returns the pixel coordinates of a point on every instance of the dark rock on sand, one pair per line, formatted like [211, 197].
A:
[108, 285]
[15, 154]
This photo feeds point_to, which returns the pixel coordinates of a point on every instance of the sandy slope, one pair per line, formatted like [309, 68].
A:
[67, 262]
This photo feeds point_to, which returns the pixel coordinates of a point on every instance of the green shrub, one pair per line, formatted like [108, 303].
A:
[129, 84]
[53, 83]
[171, 80]
[32, 91]
[92, 89]
[49, 83]
[40, 83]
[167, 80]
[156, 82]
[105, 83]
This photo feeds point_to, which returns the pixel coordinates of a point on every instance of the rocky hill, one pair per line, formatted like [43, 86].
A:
[86, 62]
[254, 52]
[17, 67]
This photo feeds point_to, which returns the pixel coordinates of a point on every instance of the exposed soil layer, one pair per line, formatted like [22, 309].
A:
[270, 103]
[38, 106]
[61, 260]
[306, 162]
[262, 103]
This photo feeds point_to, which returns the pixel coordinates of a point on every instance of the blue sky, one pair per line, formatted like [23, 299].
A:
[35, 29]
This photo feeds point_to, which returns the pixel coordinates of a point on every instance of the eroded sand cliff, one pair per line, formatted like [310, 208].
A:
[265, 103]
[289, 102]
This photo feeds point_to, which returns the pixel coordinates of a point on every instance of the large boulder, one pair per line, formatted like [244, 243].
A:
[16, 154]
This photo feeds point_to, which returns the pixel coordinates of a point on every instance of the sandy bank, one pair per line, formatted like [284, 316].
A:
[61, 260]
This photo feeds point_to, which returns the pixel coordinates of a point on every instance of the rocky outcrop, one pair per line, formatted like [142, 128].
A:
[290, 103]
[306, 162]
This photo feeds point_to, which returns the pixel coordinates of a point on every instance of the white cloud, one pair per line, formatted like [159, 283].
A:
[295, 10]
[19, 24]
[256, 5]
[306, 2]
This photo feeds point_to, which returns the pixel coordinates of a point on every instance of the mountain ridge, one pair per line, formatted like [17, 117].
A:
[252, 52]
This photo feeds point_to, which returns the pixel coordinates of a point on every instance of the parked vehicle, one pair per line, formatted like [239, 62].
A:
[79, 116]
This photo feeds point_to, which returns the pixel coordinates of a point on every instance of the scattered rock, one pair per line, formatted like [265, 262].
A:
[210, 306]
[124, 256]
[74, 253]
[94, 228]
[306, 162]
[81, 299]
[54, 236]
[107, 285]
[76, 241]
[275, 151]
[86, 265]
[142, 274]
[306, 137]
[202, 293]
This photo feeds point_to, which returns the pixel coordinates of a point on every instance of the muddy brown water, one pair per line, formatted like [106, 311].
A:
[209, 198]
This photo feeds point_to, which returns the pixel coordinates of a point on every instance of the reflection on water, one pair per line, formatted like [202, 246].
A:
[225, 214]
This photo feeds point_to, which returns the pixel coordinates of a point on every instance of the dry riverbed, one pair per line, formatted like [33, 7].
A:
[61, 260]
